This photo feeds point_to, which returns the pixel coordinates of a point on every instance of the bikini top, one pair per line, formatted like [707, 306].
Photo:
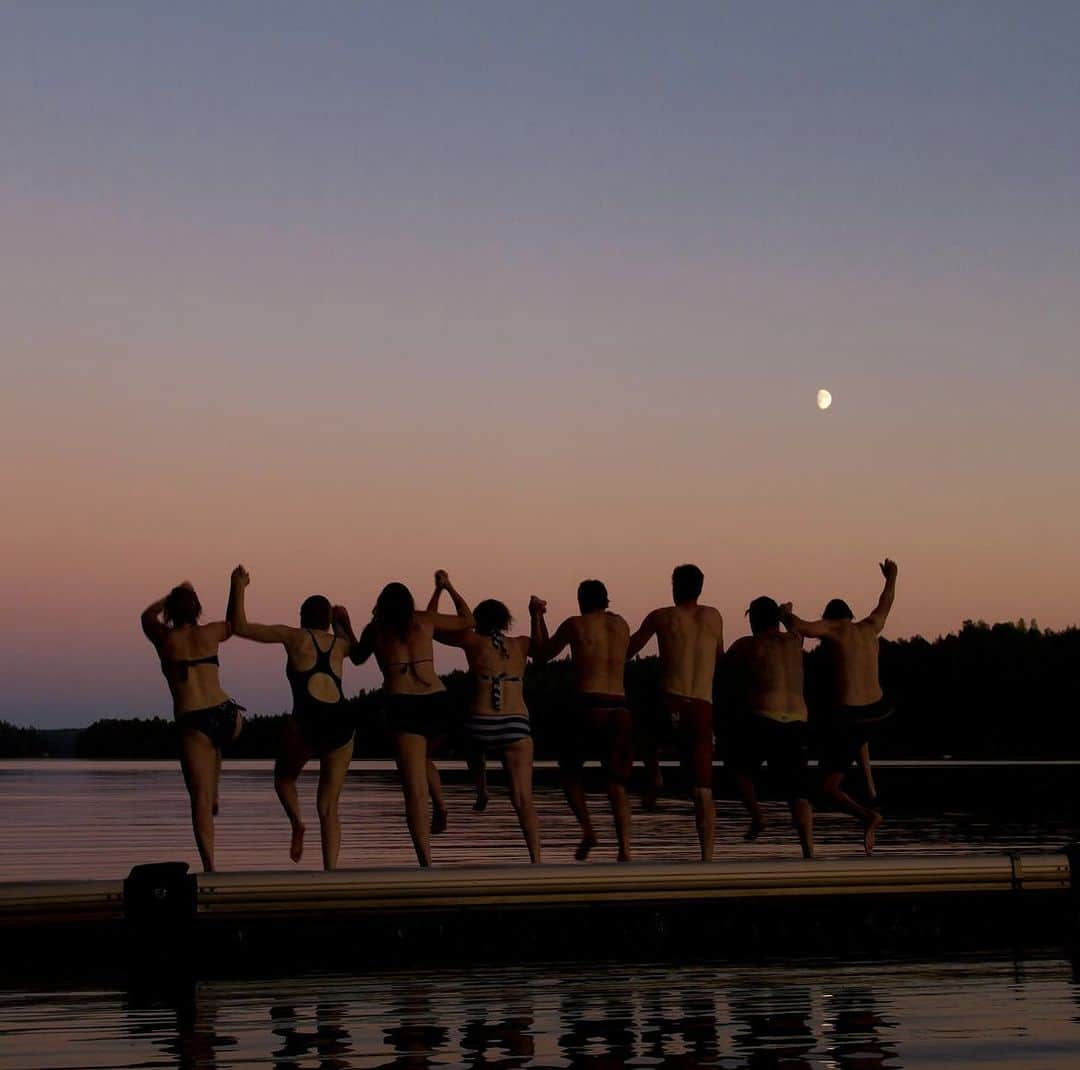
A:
[498, 641]
[185, 663]
[410, 667]
[298, 678]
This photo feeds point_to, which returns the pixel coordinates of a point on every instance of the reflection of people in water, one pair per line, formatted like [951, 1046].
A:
[854, 1030]
[195, 1044]
[207, 718]
[330, 1040]
[764, 677]
[682, 1040]
[858, 702]
[690, 639]
[598, 1030]
[483, 1039]
[498, 718]
[599, 721]
[418, 708]
[413, 1031]
[320, 724]
[772, 1026]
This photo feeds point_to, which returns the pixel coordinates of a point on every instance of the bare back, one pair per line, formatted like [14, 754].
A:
[690, 638]
[598, 643]
[488, 664]
[193, 687]
[770, 669]
[853, 656]
[408, 666]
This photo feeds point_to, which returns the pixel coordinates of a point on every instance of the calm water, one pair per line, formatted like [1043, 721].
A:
[993, 1015]
[81, 819]
[74, 819]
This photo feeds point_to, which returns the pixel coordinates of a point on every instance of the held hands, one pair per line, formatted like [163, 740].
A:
[537, 606]
[785, 610]
[240, 576]
[442, 580]
[339, 618]
[888, 568]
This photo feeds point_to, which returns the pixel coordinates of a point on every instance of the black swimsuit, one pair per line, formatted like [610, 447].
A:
[217, 723]
[322, 725]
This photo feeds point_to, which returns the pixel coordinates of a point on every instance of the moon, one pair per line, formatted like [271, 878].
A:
[824, 399]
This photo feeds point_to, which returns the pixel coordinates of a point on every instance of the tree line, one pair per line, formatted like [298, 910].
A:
[1006, 691]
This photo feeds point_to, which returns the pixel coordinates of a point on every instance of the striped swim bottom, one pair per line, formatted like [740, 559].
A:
[499, 731]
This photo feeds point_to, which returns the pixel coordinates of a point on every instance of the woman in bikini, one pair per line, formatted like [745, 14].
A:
[320, 725]
[418, 707]
[498, 718]
[208, 719]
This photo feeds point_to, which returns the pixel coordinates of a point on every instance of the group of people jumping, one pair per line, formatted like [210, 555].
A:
[763, 682]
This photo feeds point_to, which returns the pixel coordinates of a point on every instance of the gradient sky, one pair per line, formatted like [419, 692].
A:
[531, 292]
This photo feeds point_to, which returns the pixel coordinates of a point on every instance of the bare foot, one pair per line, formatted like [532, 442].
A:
[481, 804]
[586, 845]
[870, 828]
[296, 848]
[439, 820]
[624, 856]
[757, 826]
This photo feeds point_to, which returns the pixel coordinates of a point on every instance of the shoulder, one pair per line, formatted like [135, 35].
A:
[712, 615]
[616, 622]
[740, 646]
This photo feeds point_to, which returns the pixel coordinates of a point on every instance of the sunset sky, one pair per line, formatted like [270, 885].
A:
[532, 292]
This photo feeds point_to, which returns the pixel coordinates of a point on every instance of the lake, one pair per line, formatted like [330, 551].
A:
[77, 819]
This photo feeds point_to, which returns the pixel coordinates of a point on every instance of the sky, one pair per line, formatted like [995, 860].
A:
[532, 292]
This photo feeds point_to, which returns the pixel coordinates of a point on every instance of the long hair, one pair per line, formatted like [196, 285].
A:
[182, 606]
[492, 617]
[394, 610]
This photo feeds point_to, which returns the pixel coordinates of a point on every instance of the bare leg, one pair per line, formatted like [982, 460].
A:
[292, 759]
[870, 818]
[198, 761]
[748, 793]
[411, 752]
[802, 817]
[705, 819]
[439, 812]
[620, 809]
[654, 779]
[333, 768]
[477, 761]
[518, 763]
[574, 790]
[867, 772]
[217, 782]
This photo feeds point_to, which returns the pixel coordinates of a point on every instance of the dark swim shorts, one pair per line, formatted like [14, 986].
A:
[688, 723]
[425, 715]
[783, 744]
[848, 728]
[601, 725]
[217, 723]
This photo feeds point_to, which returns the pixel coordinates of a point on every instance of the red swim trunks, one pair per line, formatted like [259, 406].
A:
[691, 727]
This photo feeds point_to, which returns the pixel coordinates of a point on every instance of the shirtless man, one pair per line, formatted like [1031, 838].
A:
[764, 674]
[691, 638]
[857, 699]
[320, 724]
[598, 641]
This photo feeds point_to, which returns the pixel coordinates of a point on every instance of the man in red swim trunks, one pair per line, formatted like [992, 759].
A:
[690, 638]
[602, 722]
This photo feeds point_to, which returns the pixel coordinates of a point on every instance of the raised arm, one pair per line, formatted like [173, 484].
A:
[544, 647]
[152, 625]
[237, 617]
[642, 635]
[447, 622]
[888, 595]
[808, 629]
[359, 649]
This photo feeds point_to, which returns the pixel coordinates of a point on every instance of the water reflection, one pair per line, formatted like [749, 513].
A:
[573, 1015]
